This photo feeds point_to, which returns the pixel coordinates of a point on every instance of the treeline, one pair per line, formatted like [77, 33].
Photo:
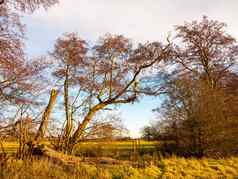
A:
[195, 72]
[199, 114]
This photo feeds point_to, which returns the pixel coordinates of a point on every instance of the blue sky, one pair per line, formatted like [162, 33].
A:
[140, 20]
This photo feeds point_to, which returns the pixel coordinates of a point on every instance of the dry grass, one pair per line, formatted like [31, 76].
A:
[204, 168]
[167, 168]
[122, 150]
[147, 166]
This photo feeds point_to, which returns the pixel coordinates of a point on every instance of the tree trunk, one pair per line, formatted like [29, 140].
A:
[45, 118]
[80, 130]
[68, 112]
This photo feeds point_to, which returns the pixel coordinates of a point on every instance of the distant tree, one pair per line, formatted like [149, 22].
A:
[151, 132]
[109, 127]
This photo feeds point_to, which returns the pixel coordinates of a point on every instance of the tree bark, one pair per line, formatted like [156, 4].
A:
[45, 118]
[68, 112]
[80, 130]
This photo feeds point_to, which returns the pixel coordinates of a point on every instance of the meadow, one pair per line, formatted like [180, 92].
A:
[167, 168]
[122, 150]
[141, 161]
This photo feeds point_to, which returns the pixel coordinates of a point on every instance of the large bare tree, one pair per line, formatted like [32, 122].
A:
[111, 75]
[206, 50]
[199, 93]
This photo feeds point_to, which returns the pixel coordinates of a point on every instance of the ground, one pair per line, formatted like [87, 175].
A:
[139, 166]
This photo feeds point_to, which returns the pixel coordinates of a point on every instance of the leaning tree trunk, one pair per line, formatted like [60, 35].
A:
[45, 118]
[80, 130]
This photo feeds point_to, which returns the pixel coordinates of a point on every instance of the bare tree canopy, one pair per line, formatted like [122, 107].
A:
[28, 5]
[16, 71]
[109, 75]
[200, 106]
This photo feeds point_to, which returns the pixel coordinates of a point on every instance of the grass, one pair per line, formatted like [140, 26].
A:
[169, 168]
[119, 144]
[10, 147]
[148, 166]
[116, 149]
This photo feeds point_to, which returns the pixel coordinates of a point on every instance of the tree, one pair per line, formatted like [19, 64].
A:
[196, 106]
[45, 118]
[107, 127]
[69, 53]
[206, 52]
[20, 82]
[151, 132]
[15, 70]
[110, 74]
[27, 5]
[114, 74]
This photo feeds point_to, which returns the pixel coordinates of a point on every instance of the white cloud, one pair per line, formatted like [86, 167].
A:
[141, 20]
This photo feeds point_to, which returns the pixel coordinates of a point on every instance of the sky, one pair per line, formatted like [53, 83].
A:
[139, 20]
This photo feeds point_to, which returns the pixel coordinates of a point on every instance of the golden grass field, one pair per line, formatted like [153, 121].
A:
[167, 168]
[156, 167]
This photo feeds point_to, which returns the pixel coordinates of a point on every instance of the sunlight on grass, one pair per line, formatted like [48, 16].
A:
[173, 168]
